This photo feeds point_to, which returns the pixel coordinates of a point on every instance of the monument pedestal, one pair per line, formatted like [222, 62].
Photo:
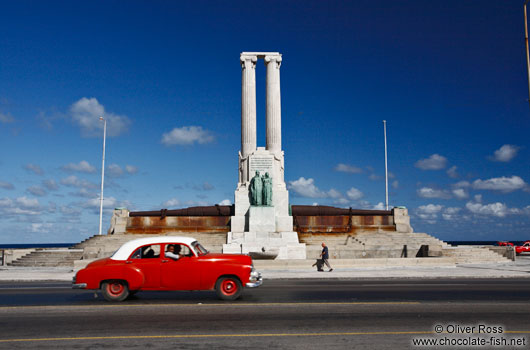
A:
[264, 235]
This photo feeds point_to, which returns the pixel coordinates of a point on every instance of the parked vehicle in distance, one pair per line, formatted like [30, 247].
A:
[525, 248]
[168, 263]
[504, 243]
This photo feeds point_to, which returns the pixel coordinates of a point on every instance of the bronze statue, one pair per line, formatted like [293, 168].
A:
[256, 190]
[267, 190]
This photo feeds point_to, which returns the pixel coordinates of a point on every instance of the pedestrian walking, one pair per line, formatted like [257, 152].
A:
[325, 256]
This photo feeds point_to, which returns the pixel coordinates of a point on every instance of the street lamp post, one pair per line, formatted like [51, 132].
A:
[102, 174]
[526, 44]
[386, 168]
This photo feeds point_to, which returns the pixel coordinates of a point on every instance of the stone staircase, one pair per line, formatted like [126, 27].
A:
[100, 246]
[49, 257]
[374, 245]
[370, 244]
[473, 255]
[363, 245]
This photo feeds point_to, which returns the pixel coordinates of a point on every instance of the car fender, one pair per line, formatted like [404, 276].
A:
[94, 276]
[131, 274]
[134, 277]
[214, 271]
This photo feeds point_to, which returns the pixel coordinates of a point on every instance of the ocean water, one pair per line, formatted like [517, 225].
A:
[481, 242]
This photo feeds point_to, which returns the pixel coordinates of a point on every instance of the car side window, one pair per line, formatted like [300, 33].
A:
[185, 251]
[147, 252]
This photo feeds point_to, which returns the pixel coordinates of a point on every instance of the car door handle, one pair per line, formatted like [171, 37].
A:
[164, 261]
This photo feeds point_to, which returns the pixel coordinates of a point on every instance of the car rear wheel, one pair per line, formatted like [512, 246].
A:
[228, 288]
[115, 290]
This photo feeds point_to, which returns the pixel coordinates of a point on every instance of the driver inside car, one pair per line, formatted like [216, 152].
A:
[173, 251]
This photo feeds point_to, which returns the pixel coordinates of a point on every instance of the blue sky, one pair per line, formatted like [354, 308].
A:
[449, 77]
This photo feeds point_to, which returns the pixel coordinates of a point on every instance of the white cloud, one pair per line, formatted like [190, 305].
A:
[114, 170]
[6, 118]
[225, 202]
[451, 213]
[86, 112]
[173, 202]
[74, 181]
[427, 192]
[36, 191]
[429, 212]
[28, 203]
[68, 211]
[21, 211]
[95, 203]
[51, 185]
[341, 201]
[6, 185]
[345, 168]
[41, 228]
[187, 135]
[503, 184]
[83, 167]
[452, 173]
[493, 209]
[83, 192]
[333, 193]
[130, 169]
[5, 202]
[20, 206]
[460, 193]
[354, 194]
[379, 206]
[306, 188]
[461, 184]
[505, 153]
[434, 162]
[34, 168]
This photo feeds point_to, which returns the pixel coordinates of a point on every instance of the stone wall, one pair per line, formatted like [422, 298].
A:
[399, 221]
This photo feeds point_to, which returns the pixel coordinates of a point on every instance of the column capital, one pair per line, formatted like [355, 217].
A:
[276, 58]
[248, 61]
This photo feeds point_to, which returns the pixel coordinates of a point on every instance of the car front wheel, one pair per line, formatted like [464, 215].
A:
[115, 290]
[228, 288]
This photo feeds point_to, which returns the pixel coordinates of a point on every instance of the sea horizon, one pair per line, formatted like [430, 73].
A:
[66, 245]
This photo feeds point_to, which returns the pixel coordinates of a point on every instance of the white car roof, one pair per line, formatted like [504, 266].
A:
[128, 248]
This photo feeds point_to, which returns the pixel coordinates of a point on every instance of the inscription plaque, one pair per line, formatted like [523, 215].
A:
[263, 164]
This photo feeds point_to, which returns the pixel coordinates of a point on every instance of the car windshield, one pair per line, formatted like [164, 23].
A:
[199, 248]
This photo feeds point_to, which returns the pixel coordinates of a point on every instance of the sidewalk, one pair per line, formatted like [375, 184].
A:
[518, 269]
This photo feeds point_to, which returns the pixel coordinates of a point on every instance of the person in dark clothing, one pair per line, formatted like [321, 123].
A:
[325, 256]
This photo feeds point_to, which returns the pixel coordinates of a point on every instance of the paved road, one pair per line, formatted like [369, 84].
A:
[299, 314]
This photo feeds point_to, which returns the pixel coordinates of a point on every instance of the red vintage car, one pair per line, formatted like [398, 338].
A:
[525, 248]
[147, 264]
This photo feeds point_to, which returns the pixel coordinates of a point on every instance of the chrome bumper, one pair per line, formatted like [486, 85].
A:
[78, 285]
[255, 280]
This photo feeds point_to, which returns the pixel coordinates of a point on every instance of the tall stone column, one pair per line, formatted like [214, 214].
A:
[248, 104]
[274, 108]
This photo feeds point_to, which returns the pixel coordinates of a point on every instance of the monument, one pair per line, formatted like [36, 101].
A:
[261, 221]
